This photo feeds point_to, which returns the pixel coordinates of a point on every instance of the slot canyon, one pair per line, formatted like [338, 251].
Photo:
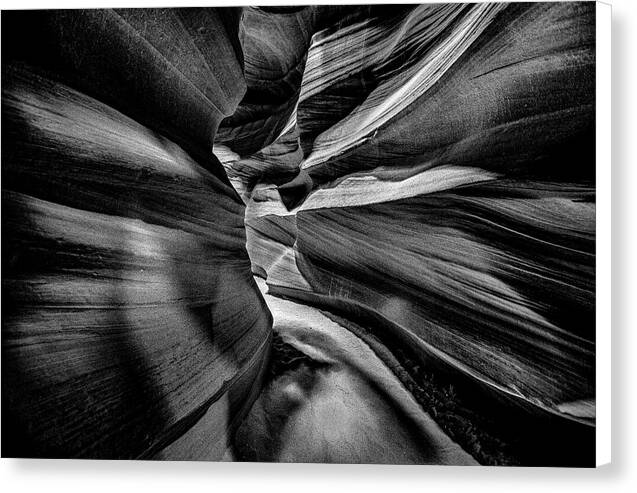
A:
[344, 234]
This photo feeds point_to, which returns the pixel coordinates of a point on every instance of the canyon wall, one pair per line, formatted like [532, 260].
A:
[131, 325]
[422, 175]
[448, 205]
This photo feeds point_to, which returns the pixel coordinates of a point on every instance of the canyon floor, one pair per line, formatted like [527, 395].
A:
[336, 402]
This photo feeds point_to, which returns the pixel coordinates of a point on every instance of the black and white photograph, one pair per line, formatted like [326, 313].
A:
[327, 234]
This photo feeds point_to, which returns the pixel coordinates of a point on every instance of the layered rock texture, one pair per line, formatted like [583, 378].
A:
[416, 181]
[445, 206]
[132, 325]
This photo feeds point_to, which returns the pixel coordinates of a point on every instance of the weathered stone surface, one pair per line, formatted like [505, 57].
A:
[423, 174]
[337, 403]
[132, 326]
[451, 210]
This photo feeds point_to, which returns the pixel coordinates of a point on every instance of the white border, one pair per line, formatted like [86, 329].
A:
[603, 314]
[78, 4]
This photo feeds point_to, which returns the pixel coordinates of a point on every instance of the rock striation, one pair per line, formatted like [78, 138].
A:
[416, 181]
[131, 326]
[450, 212]
[335, 401]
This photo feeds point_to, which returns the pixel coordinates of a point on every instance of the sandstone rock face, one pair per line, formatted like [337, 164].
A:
[334, 400]
[421, 175]
[132, 326]
[449, 214]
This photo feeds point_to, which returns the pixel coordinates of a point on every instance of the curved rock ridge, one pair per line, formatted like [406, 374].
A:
[463, 263]
[402, 58]
[275, 47]
[132, 326]
[277, 163]
[490, 284]
[276, 44]
[504, 87]
[475, 98]
[487, 100]
[176, 71]
[443, 254]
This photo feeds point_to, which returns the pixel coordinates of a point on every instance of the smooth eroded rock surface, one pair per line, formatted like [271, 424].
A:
[132, 326]
[449, 214]
[415, 184]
